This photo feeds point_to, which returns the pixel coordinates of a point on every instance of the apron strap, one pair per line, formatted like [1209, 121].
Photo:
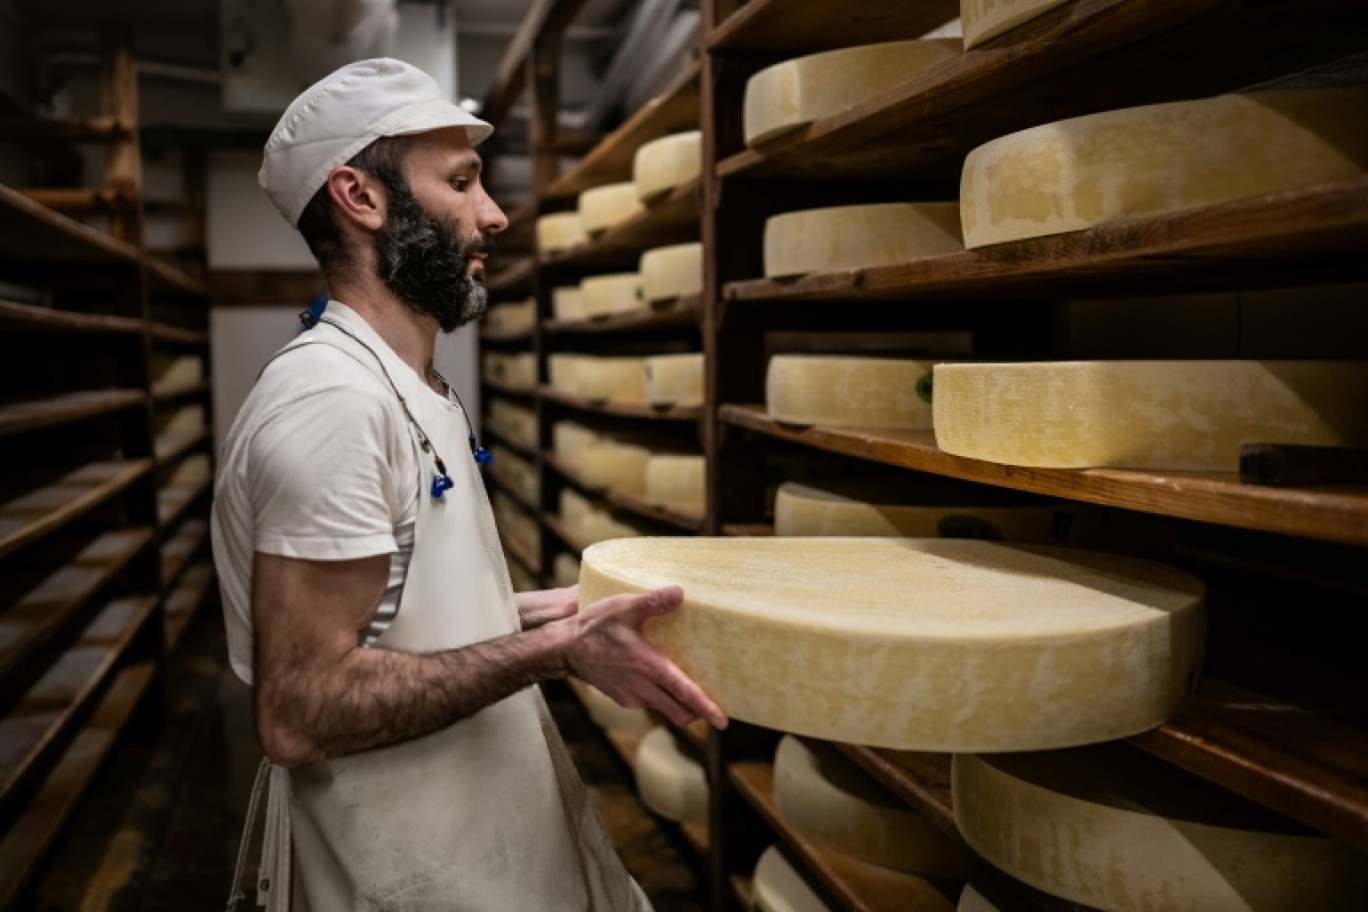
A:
[253, 804]
[273, 877]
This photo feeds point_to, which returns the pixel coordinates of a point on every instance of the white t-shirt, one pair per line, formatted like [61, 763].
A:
[319, 465]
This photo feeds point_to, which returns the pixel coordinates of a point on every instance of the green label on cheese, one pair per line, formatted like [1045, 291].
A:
[924, 387]
[962, 525]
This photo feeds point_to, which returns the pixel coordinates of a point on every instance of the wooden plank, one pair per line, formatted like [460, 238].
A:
[1313, 234]
[68, 407]
[748, 530]
[185, 600]
[623, 409]
[675, 313]
[174, 500]
[165, 279]
[181, 548]
[513, 279]
[853, 885]
[32, 233]
[1083, 57]
[922, 780]
[32, 835]
[807, 26]
[169, 447]
[166, 333]
[41, 723]
[519, 554]
[507, 389]
[671, 219]
[38, 614]
[34, 319]
[546, 21]
[165, 392]
[507, 487]
[30, 516]
[689, 522]
[1328, 514]
[265, 288]
[674, 111]
[741, 886]
[45, 140]
[507, 335]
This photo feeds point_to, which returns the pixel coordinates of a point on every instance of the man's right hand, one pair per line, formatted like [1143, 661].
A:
[607, 649]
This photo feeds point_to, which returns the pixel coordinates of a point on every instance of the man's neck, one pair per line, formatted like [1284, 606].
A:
[411, 335]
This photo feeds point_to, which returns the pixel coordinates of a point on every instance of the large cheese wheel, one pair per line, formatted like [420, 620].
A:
[567, 303]
[516, 472]
[514, 422]
[985, 19]
[1078, 173]
[778, 887]
[670, 780]
[665, 163]
[676, 481]
[568, 440]
[854, 237]
[1122, 832]
[621, 379]
[672, 272]
[612, 204]
[607, 713]
[565, 570]
[674, 379]
[1145, 414]
[795, 93]
[920, 644]
[512, 317]
[612, 294]
[884, 393]
[562, 371]
[575, 508]
[834, 803]
[191, 472]
[614, 465]
[560, 231]
[804, 511]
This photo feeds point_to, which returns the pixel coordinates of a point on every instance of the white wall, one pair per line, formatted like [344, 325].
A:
[245, 230]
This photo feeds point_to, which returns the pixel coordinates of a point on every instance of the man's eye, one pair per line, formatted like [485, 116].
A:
[460, 183]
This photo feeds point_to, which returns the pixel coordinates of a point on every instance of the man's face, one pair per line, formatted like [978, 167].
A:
[439, 230]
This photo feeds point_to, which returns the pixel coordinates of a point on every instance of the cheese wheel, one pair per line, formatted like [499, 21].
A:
[1190, 415]
[565, 570]
[971, 900]
[514, 422]
[516, 472]
[604, 207]
[985, 19]
[665, 163]
[600, 527]
[183, 371]
[670, 779]
[674, 379]
[854, 237]
[569, 439]
[778, 887]
[678, 482]
[188, 419]
[672, 272]
[920, 644]
[1119, 831]
[793, 94]
[512, 317]
[518, 371]
[562, 372]
[804, 511]
[612, 379]
[1146, 161]
[567, 303]
[560, 231]
[575, 508]
[614, 465]
[606, 713]
[514, 525]
[834, 803]
[191, 472]
[612, 294]
[887, 393]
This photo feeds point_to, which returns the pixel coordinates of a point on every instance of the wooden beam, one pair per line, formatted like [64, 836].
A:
[119, 101]
[546, 21]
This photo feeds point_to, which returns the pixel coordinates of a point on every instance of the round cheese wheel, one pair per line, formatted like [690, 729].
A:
[920, 644]
[515, 525]
[971, 900]
[854, 237]
[516, 472]
[512, 317]
[575, 508]
[797, 92]
[1146, 161]
[188, 419]
[887, 393]
[676, 481]
[604, 207]
[607, 713]
[670, 780]
[562, 372]
[182, 371]
[778, 887]
[674, 379]
[985, 19]
[1190, 415]
[620, 379]
[514, 422]
[560, 231]
[824, 796]
[565, 569]
[612, 294]
[518, 371]
[672, 272]
[1118, 831]
[614, 465]
[568, 440]
[665, 163]
[567, 303]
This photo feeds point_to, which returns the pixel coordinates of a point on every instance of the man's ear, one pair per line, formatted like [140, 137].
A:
[357, 197]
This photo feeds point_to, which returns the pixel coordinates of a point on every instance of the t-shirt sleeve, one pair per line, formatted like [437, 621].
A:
[322, 486]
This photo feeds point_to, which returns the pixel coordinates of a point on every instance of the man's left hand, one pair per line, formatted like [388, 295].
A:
[538, 608]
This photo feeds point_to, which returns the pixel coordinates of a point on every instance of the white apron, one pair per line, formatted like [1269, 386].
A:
[488, 815]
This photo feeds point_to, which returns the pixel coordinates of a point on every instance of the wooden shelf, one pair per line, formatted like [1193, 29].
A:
[624, 409]
[32, 233]
[694, 835]
[689, 522]
[31, 516]
[1315, 234]
[674, 314]
[792, 29]
[552, 523]
[748, 530]
[921, 780]
[521, 449]
[508, 389]
[1329, 514]
[185, 600]
[855, 884]
[165, 392]
[675, 111]
[33, 833]
[1083, 57]
[36, 617]
[175, 500]
[742, 890]
[33, 319]
[165, 279]
[163, 332]
[513, 279]
[181, 548]
[68, 407]
[671, 219]
[168, 447]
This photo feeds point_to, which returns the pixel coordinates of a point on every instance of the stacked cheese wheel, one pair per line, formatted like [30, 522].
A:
[516, 472]
[516, 526]
[608, 206]
[513, 422]
[657, 380]
[567, 303]
[986, 19]
[519, 577]
[671, 272]
[587, 524]
[618, 293]
[512, 317]
[185, 370]
[666, 163]
[565, 570]
[560, 231]
[850, 391]
[518, 371]
[640, 469]
[855, 237]
[670, 778]
[188, 419]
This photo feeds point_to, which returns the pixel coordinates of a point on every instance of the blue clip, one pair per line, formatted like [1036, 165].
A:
[482, 456]
[440, 485]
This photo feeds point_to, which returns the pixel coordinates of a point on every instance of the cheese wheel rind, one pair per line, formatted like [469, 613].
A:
[670, 781]
[849, 391]
[608, 714]
[672, 272]
[823, 637]
[515, 422]
[614, 465]
[678, 482]
[663, 164]
[612, 294]
[778, 887]
[601, 208]
[674, 379]
[611, 379]
[986, 19]
[567, 304]
[560, 231]
[856, 237]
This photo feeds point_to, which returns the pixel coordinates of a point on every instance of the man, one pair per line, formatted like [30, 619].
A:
[414, 765]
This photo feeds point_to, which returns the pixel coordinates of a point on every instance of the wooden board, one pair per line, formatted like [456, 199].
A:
[163, 279]
[181, 548]
[671, 219]
[185, 600]
[494, 433]
[33, 319]
[507, 335]
[31, 516]
[165, 392]
[174, 500]
[665, 315]
[33, 233]
[623, 409]
[1330, 514]
[164, 332]
[38, 413]
[168, 447]
[795, 27]
[507, 388]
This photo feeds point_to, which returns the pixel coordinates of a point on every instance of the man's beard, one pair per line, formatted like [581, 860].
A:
[423, 261]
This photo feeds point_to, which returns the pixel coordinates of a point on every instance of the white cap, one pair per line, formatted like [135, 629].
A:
[344, 112]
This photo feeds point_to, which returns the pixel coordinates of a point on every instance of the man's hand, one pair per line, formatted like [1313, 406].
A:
[606, 649]
[538, 608]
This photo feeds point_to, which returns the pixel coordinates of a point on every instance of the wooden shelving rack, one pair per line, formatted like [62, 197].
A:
[1278, 718]
[103, 545]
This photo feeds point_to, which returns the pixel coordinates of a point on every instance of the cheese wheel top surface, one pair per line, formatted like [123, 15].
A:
[600, 208]
[663, 164]
[560, 230]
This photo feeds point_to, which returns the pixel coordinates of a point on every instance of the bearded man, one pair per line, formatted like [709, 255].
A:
[411, 762]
